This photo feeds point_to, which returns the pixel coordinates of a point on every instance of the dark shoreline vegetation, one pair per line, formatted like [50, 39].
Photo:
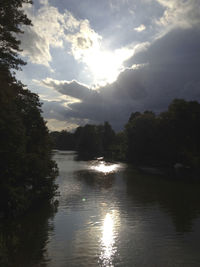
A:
[167, 143]
[26, 166]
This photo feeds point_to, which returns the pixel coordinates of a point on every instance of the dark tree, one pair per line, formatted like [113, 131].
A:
[169, 138]
[89, 140]
[180, 132]
[63, 140]
[141, 134]
[27, 171]
[12, 17]
[108, 137]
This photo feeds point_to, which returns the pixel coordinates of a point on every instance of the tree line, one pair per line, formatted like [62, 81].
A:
[27, 172]
[89, 140]
[148, 139]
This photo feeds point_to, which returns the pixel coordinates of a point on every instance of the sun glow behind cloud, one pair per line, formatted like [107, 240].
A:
[102, 65]
[105, 66]
[62, 30]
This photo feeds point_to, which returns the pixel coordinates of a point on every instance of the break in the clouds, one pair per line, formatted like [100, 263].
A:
[101, 60]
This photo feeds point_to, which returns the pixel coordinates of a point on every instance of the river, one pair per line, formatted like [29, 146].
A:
[108, 215]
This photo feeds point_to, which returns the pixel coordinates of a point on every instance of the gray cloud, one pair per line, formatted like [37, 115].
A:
[73, 88]
[173, 63]
[173, 71]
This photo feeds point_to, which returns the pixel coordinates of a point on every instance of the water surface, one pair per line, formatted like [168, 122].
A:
[108, 215]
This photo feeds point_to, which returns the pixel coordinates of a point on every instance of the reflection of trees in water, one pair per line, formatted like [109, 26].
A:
[96, 179]
[23, 240]
[181, 199]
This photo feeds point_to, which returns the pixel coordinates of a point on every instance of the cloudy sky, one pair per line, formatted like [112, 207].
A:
[92, 61]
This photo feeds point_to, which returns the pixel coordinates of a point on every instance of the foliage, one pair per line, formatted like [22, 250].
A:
[27, 171]
[120, 147]
[141, 134]
[181, 127]
[89, 141]
[168, 138]
[63, 140]
[12, 17]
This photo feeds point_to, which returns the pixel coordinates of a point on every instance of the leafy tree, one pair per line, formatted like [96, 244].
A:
[169, 138]
[141, 133]
[12, 17]
[89, 141]
[108, 138]
[119, 148]
[63, 140]
[27, 171]
[180, 123]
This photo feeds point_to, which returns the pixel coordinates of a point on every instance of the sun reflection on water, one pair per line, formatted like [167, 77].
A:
[104, 167]
[108, 248]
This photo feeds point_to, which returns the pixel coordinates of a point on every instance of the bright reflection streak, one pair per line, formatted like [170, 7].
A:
[108, 240]
[105, 168]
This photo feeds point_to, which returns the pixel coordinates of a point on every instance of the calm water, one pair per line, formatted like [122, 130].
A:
[108, 215]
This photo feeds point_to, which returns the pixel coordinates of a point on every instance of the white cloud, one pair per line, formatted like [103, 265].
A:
[44, 2]
[140, 28]
[84, 40]
[50, 28]
[35, 47]
[179, 13]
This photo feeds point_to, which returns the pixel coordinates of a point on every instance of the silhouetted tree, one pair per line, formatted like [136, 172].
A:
[181, 131]
[169, 138]
[108, 137]
[141, 134]
[63, 140]
[12, 18]
[27, 171]
[89, 141]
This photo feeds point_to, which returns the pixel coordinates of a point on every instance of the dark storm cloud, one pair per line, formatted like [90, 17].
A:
[172, 70]
[173, 66]
[73, 88]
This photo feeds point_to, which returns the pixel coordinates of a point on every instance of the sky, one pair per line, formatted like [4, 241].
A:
[92, 61]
